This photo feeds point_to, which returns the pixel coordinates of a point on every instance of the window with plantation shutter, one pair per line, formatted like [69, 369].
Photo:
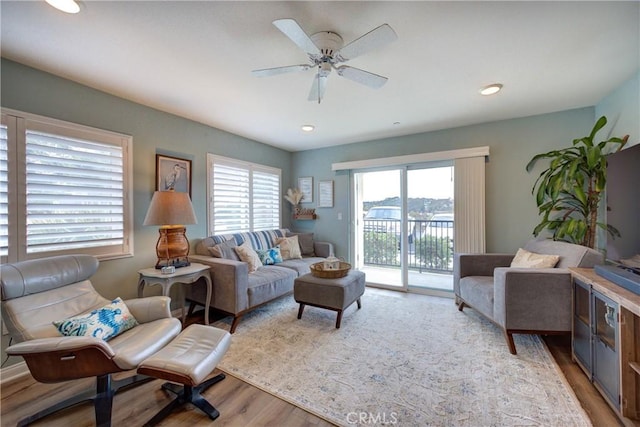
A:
[71, 190]
[242, 196]
[75, 193]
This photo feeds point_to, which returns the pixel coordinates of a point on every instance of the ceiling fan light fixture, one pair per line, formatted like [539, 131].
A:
[67, 6]
[324, 69]
[325, 49]
[492, 89]
[307, 128]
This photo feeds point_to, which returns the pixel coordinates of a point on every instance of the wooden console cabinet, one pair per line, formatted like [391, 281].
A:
[606, 340]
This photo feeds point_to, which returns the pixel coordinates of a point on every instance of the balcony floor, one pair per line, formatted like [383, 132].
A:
[419, 281]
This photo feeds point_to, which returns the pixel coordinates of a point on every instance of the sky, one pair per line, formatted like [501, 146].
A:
[435, 183]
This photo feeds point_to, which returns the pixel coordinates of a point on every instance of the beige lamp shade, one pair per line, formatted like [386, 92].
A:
[171, 210]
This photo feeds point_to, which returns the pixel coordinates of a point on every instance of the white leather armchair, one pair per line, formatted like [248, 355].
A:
[37, 292]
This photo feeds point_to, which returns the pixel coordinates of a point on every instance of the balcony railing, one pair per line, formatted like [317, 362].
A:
[430, 244]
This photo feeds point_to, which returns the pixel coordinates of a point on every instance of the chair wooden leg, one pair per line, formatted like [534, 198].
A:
[359, 303]
[512, 346]
[300, 310]
[234, 324]
[461, 306]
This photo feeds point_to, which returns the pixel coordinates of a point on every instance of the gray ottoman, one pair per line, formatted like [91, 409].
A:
[332, 294]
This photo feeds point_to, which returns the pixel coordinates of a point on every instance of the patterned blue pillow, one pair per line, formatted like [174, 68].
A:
[270, 256]
[105, 322]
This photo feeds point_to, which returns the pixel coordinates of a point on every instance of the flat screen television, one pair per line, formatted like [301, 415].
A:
[623, 205]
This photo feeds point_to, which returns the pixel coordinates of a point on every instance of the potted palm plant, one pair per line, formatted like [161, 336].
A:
[569, 191]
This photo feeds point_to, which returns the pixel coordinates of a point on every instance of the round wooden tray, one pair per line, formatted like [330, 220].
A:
[318, 270]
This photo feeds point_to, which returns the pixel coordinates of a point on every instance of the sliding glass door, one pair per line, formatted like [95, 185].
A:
[430, 208]
[379, 221]
[404, 226]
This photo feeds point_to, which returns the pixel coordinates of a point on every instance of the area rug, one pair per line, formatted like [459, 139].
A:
[403, 359]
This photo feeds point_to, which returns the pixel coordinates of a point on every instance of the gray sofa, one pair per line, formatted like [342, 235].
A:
[237, 291]
[521, 300]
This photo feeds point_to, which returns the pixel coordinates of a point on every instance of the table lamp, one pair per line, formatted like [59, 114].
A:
[171, 210]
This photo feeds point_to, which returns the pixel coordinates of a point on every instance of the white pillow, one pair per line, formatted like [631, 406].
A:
[248, 255]
[526, 259]
[289, 247]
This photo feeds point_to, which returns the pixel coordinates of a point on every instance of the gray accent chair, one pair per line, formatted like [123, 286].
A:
[521, 300]
[37, 292]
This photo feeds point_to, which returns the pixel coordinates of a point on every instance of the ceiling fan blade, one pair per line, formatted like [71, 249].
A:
[318, 88]
[364, 77]
[291, 29]
[372, 40]
[265, 72]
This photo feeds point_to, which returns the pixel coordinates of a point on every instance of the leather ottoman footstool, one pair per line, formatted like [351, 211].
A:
[188, 360]
[332, 294]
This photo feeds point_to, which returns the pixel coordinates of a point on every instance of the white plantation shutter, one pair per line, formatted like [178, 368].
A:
[68, 189]
[231, 198]
[266, 200]
[4, 194]
[242, 196]
[75, 193]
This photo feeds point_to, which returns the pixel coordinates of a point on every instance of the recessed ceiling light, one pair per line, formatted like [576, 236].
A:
[308, 128]
[67, 6]
[491, 89]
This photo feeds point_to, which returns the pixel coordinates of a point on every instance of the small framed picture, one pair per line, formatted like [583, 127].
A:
[173, 173]
[325, 194]
[305, 184]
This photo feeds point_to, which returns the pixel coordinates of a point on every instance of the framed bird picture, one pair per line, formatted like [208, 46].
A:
[173, 173]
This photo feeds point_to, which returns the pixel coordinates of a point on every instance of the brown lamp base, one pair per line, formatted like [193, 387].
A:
[172, 247]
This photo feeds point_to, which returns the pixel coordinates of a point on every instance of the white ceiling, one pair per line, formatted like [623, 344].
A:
[194, 59]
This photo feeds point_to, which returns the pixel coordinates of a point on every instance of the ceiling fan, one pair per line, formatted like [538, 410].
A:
[326, 51]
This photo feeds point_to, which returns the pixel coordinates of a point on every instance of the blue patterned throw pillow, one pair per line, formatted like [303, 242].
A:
[104, 323]
[270, 256]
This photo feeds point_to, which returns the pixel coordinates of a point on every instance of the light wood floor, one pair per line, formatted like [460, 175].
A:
[599, 411]
[240, 404]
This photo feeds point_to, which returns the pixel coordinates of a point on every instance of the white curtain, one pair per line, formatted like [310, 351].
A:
[469, 208]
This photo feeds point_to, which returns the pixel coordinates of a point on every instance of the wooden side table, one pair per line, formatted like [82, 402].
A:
[185, 275]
